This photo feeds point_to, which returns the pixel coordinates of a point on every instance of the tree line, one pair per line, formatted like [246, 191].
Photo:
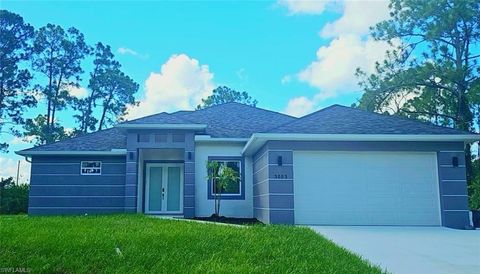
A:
[45, 64]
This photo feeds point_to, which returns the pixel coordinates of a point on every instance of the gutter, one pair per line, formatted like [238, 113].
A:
[257, 140]
[209, 139]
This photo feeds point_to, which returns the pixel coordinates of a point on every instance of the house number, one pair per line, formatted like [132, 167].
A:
[280, 176]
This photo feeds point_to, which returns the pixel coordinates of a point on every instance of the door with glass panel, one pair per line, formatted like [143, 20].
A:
[163, 188]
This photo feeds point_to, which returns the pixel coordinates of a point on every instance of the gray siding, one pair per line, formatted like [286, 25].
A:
[56, 186]
[453, 189]
[273, 186]
[277, 202]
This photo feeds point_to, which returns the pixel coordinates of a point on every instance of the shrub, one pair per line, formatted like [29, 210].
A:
[13, 198]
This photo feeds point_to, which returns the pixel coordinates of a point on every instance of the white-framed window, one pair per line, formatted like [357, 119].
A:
[91, 168]
[233, 188]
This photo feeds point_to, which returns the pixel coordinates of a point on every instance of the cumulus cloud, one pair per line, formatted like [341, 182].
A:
[299, 106]
[357, 18]
[181, 84]
[9, 169]
[333, 70]
[304, 6]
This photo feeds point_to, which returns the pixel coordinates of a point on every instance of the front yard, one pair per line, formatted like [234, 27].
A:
[139, 244]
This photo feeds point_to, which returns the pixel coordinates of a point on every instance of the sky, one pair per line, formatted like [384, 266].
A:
[294, 57]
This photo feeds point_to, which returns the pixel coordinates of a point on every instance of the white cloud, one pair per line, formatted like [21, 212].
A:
[299, 106]
[333, 71]
[357, 18]
[181, 84]
[9, 169]
[79, 92]
[128, 51]
[304, 6]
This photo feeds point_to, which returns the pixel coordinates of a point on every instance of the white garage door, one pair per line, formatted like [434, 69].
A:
[366, 188]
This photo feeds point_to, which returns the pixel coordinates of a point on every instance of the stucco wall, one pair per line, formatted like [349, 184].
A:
[242, 208]
[56, 186]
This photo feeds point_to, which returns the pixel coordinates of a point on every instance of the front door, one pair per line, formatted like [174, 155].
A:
[164, 188]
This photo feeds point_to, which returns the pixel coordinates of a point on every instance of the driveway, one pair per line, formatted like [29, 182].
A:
[410, 249]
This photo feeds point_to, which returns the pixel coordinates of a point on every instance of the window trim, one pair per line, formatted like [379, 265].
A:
[227, 196]
[90, 174]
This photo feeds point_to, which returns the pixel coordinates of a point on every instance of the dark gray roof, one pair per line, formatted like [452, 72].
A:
[104, 140]
[234, 120]
[339, 119]
[160, 118]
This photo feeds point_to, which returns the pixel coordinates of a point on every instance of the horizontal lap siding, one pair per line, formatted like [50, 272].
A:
[260, 186]
[57, 187]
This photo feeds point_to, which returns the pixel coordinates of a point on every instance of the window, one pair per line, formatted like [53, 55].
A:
[160, 138]
[233, 189]
[91, 168]
[178, 138]
[143, 138]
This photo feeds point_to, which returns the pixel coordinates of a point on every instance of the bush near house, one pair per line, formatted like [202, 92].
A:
[13, 198]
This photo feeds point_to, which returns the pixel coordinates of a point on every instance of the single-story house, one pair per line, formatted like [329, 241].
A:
[336, 166]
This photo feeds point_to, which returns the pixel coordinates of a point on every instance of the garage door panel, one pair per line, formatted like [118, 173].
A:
[366, 188]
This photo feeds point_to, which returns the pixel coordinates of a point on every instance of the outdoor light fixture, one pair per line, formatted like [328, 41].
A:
[455, 161]
[189, 155]
[130, 156]
[279, 160]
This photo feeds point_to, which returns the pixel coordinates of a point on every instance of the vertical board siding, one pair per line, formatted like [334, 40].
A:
[56, 186]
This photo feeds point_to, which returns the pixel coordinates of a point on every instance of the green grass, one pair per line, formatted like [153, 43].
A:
[150, 245]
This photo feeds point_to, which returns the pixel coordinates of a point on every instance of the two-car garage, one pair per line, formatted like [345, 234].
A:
[366, 188]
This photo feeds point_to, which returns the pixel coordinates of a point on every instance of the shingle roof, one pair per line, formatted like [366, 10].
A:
[339, 119]
[234, 120]
[104, 140]
[160, 118]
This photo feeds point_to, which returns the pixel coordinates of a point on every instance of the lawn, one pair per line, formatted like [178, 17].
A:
[140, 244]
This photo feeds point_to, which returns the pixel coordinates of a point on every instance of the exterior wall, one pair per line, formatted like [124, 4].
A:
[56, 186]
[452, 180]
[241, 208]
[273, 198]
[168, 139]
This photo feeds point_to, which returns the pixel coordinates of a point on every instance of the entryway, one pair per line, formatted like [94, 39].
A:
[164, 188]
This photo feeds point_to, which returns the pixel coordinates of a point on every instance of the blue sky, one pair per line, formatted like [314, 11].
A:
[292, 56]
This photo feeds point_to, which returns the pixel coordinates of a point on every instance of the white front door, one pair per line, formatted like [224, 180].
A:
[164, 188]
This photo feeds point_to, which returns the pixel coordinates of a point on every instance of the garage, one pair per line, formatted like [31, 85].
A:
[366, 188]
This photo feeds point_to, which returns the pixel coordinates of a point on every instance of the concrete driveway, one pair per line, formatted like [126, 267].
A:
[410, 249]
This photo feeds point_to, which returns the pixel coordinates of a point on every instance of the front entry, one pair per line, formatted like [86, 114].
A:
[164, 188]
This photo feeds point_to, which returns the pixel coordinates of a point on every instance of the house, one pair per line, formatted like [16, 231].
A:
[336, 166]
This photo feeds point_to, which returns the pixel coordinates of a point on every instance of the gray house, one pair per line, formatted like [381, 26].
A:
[337, 166]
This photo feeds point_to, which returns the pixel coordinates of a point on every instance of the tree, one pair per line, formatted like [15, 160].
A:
[222, 177]
[435, 67]
[41, 131]
[57, 55]
[117, 90]
[224, 94]
[104, 60]
[15, 46]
